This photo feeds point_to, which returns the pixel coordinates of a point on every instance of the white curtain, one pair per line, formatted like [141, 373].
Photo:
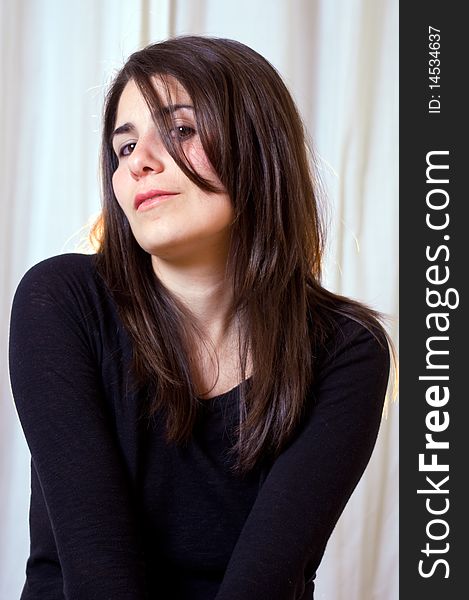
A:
[339, 58]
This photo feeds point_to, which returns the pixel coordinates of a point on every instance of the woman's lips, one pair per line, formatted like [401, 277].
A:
[151, 198]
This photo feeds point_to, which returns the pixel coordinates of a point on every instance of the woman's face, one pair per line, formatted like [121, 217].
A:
[170, 217]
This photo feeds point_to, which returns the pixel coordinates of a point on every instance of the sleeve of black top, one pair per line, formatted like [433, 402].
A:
[311, 481]
[43, 572]
[81, 507]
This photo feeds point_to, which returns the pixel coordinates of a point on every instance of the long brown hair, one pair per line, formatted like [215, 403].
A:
[253, 136]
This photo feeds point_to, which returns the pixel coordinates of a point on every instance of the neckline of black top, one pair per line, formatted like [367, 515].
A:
[231, 392]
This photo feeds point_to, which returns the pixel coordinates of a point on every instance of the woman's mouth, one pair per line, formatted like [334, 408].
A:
[151, 198]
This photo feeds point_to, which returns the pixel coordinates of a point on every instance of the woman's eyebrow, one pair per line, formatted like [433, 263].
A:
[174, 107]
[125, 128]
[130, 127]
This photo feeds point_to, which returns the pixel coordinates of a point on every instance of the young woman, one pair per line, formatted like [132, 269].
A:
[198, 407]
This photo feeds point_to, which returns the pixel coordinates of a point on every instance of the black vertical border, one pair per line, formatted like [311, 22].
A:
[422, 132]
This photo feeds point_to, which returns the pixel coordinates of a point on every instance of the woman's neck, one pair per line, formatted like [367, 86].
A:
[207, 292]
[203, 288]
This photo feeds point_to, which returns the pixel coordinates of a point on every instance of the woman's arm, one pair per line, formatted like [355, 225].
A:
[80, 491]
[285, 535]
[43, 572]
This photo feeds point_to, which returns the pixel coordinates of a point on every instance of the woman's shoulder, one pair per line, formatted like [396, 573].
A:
[67, 281]
[348, 327]
[351, 368]
[351, 337]
[56, 270]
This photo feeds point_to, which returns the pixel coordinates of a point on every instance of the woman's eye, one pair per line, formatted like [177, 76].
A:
[126, 149]
[183, 132]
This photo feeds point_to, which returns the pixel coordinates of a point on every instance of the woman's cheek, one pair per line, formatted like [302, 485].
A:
[117, 185]
[199, 161]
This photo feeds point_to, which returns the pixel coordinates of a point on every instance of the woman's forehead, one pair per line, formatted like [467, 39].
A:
[132, 103]
[169, 89]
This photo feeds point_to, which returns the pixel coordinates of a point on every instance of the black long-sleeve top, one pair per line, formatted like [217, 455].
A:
[119, 514]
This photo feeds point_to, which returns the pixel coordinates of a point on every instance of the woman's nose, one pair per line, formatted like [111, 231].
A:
[148, 156]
